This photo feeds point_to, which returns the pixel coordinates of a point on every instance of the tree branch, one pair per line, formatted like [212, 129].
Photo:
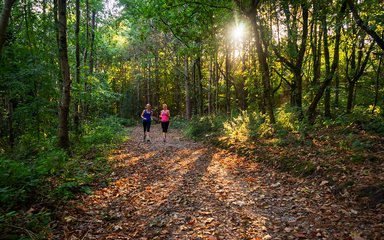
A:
[364, 25]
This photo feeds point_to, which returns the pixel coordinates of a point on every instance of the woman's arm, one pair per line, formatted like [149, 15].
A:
[142, 113]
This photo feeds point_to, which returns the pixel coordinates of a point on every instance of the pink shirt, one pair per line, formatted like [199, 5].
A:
[164, 115]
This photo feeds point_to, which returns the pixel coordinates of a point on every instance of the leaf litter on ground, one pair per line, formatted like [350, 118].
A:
[189, 190]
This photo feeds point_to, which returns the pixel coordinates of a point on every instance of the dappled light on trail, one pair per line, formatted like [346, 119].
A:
[187, 190]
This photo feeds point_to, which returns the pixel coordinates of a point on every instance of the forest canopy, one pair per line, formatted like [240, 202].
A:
[201, 57]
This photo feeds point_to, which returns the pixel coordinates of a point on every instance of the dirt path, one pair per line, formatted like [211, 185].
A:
[186, 190]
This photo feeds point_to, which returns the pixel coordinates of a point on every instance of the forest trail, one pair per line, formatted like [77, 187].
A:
[187, 190]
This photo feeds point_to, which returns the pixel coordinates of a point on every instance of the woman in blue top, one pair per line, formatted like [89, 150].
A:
[146, 115]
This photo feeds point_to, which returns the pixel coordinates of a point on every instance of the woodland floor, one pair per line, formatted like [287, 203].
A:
[188, 190]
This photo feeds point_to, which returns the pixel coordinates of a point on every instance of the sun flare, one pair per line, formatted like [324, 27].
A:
[238, 32]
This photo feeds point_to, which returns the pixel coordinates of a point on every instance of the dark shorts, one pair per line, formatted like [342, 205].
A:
[147, 126]
[165, 125]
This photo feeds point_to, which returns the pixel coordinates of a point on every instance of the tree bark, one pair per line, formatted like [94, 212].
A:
[337, 89]
[364, 25]
[187, 91]
[11, 132]
[4, 21]
[262, 53]
[311, 112]
[76, 119]
[200, 98]
[358, 70]
[377, 85]
[65, 73]
[211, 77]
[227, 85]
[217, 78]
[298, 55]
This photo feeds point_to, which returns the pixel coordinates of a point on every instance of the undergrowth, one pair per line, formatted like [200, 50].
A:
[291, 130]
[38, 176]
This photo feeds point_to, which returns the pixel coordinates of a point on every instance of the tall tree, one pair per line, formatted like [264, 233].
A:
[65, 74]
[296, 53]
[4, 20]
[330, 70]
[363, 25]
[262, 44]
[78, 64]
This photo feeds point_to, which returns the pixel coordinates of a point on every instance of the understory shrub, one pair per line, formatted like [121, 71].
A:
[200, 127]
[45, 173]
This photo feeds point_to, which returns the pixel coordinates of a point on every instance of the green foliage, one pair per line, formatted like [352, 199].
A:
[179, 122]
[47, 173]
[245, 126]
[23, 226]
[200, 127]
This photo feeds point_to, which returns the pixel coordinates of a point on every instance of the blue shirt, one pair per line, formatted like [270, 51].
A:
[147, 116]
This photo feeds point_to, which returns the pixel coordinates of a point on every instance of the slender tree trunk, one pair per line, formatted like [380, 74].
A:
[227, 84]
[311, 112]
[177, 82]
[138, 80]
[200, 97]
[211, 77]
[351, 91]
[87, 87]
[327, 102]
[149, 84]
[11, 132]
[337, 90]
[66, 91]
[4, 21]
[358, 71]
[364, 26]
[194, 102]
[187, 91]
[263, 65]
[217, 78]
[77, 43]
[157, 84]
[377, 85]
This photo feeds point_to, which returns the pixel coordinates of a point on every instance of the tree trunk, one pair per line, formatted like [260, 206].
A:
[194, 97]
[200, 98]
[157, 84]
[351, 92]
[177, 82]
[377, 85]
[4, 20]
[187, 91]
[311, 112]
[66, 88]
[337, 89]
[364, 26]
[327, 102]
[211, 77]
[227, 85]
[263, 65]
[149, 84]
[87, 88]
[11, 132]
[217, 78]
[76, 119]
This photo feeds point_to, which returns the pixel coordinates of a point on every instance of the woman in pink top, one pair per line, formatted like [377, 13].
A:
[164, 116]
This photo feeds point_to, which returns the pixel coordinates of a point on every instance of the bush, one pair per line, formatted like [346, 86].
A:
[46, 170]
[179, 122]
[200, 127]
